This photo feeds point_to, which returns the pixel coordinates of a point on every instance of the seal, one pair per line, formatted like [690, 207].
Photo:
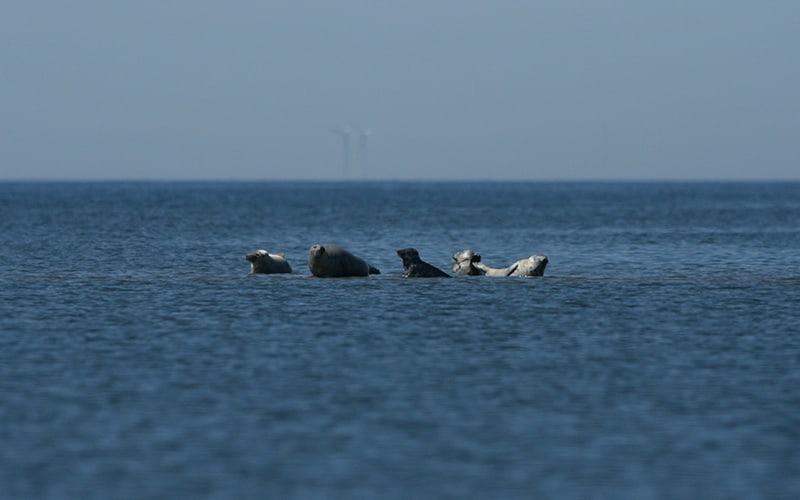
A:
[331, 261]
[263, 262]
[465, 264]
[414, 267]
[532, 266]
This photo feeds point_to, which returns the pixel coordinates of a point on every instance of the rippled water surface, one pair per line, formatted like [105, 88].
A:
[659, 356]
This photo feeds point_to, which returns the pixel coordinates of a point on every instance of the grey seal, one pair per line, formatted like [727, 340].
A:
[331, 261]
[414, 267]
[263, 262]
[469, 263]
[532, 266]
[465, 264]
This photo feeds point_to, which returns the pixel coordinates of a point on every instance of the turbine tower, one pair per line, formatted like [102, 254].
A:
[344, 133]
[362, 151]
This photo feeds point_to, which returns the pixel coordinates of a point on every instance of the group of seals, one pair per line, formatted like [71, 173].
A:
[331, 261]
[468, 263]
[324, 261]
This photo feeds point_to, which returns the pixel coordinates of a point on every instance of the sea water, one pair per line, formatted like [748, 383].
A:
[659, 356]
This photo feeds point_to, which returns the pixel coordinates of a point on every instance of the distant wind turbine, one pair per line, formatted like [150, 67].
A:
[362, 150]
[344, 133]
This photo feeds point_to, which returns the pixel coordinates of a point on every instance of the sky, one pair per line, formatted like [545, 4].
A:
[450, 90]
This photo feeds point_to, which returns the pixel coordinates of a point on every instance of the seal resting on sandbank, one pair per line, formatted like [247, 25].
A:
[532, 266]
[331, 261]
[468, 262]
[414, 267]
[263, 262]
[465, 264]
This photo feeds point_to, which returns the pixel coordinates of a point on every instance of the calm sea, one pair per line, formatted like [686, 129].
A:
[659, 356]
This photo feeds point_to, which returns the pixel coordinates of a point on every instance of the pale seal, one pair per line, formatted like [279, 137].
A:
[414, 267]
[263, 262]
[465, 264]
[331, 261]
[532, 266]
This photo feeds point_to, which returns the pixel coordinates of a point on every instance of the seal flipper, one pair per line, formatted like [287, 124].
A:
[374, 270]
[512, 268]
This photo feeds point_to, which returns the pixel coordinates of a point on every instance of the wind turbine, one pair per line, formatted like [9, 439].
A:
[362, 150]
[344, 133]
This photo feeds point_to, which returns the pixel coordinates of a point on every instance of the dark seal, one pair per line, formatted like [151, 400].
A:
[331, 261]
[414, 267]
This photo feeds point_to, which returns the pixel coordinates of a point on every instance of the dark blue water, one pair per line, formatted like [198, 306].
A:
[659, 356]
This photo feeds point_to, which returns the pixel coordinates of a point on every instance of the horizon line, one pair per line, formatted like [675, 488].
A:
[660, 180]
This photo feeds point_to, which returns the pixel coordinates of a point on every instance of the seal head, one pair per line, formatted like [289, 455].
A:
[532, 266]
[465, 265]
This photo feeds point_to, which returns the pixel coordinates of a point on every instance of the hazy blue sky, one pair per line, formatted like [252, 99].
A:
[560, 89]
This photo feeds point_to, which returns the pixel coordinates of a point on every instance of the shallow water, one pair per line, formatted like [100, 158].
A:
[658, 357]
